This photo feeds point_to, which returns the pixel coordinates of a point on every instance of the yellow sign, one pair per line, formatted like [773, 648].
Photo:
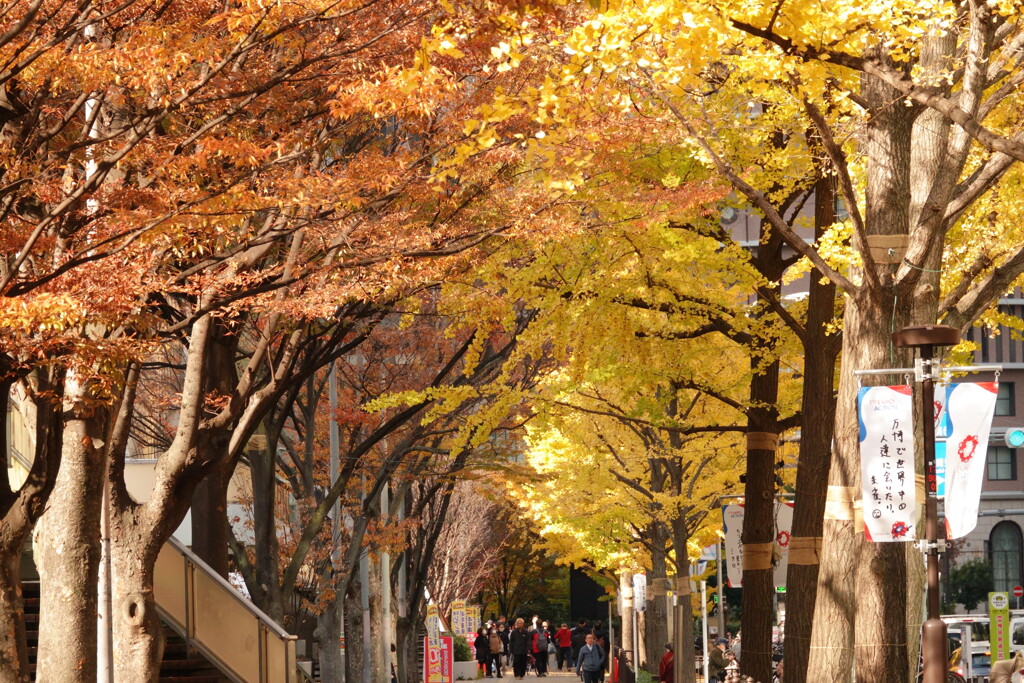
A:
[999, 625]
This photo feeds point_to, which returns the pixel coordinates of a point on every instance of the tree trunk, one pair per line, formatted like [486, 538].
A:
[759, 487]
[628, 637]
[210, 515]
[209, 498]
[13, 643]
[328, 637]
[22, 508]
[656, 622]
[138, 633]
[354, 631]
[376, 623]
[268, 590]
[818, 407]
[407, 650]
[684, 652]
[68, 552]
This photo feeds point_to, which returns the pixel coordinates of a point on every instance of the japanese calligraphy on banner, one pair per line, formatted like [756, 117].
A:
[732, 527]
[887, 462]
[970, 407]
[433, 626]
[460, 621]
[732, 524]
[472, 622]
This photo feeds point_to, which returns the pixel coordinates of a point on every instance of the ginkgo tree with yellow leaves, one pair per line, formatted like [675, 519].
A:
[916, 109]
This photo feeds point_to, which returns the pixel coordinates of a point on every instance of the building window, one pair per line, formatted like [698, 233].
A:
[1002, 463]
[1005, 554]
[1004, 400]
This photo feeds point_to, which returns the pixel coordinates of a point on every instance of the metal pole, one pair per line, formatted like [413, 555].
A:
[933, 633]
[721, 589]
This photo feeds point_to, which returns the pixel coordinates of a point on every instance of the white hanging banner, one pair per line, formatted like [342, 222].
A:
[970, 407]
[640, 592]
[887, 462]
[732, 525]
[783, 531]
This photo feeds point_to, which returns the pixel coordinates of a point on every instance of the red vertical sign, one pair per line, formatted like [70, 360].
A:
[439, 662]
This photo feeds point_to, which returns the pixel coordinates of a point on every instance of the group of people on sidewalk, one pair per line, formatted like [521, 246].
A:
[524, 648]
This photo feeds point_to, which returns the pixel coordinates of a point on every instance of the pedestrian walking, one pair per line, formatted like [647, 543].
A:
[519, 647]
[578, 640]
[563, 641]
[590, 662]
[497, 649]
[482, 649]
[541, 640]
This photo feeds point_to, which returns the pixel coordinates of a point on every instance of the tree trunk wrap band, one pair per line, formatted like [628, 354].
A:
[843, 503]
[757, 556]
[804, 549]
[919, 490]
[682, 585]
[762, 441]
[887, 248]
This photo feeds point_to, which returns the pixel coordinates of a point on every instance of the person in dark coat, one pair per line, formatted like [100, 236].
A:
[578, 640]
[497, 647]
[482, 646]
[519, 644]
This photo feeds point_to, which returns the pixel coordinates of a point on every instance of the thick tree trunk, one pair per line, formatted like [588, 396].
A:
[138, 633]
[818, 407]
[407, 650]
[685, 651]
[210, 515]
[328, 636]
[656, 621]
[209, 498]
[375, 625]
[20, 510]
[353, 631]
[68, 554]
[268, 589]
[13, 644]
[759, 487]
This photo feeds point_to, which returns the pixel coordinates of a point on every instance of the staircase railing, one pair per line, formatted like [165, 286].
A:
[218, 622]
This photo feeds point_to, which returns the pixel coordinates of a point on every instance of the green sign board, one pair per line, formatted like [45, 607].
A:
[999, 625]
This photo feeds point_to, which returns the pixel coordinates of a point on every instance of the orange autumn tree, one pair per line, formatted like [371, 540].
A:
[151, 180]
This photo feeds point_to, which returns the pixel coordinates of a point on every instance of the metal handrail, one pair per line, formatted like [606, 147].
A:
[284, 670]
[231, 590]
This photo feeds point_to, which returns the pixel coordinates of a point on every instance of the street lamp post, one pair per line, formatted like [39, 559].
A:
[933, 632]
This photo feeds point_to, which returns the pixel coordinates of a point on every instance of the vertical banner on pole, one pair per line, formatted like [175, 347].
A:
[941, 434]
[999, 625]
[780, 551]
[732, 527]
[970, 407]
[640, 592]
[433, 626]
[459, 621]
[887, 462]
[439, 662]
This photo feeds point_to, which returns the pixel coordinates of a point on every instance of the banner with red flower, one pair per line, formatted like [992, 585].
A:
[969, 410]
[887, 462]
[732, 526]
